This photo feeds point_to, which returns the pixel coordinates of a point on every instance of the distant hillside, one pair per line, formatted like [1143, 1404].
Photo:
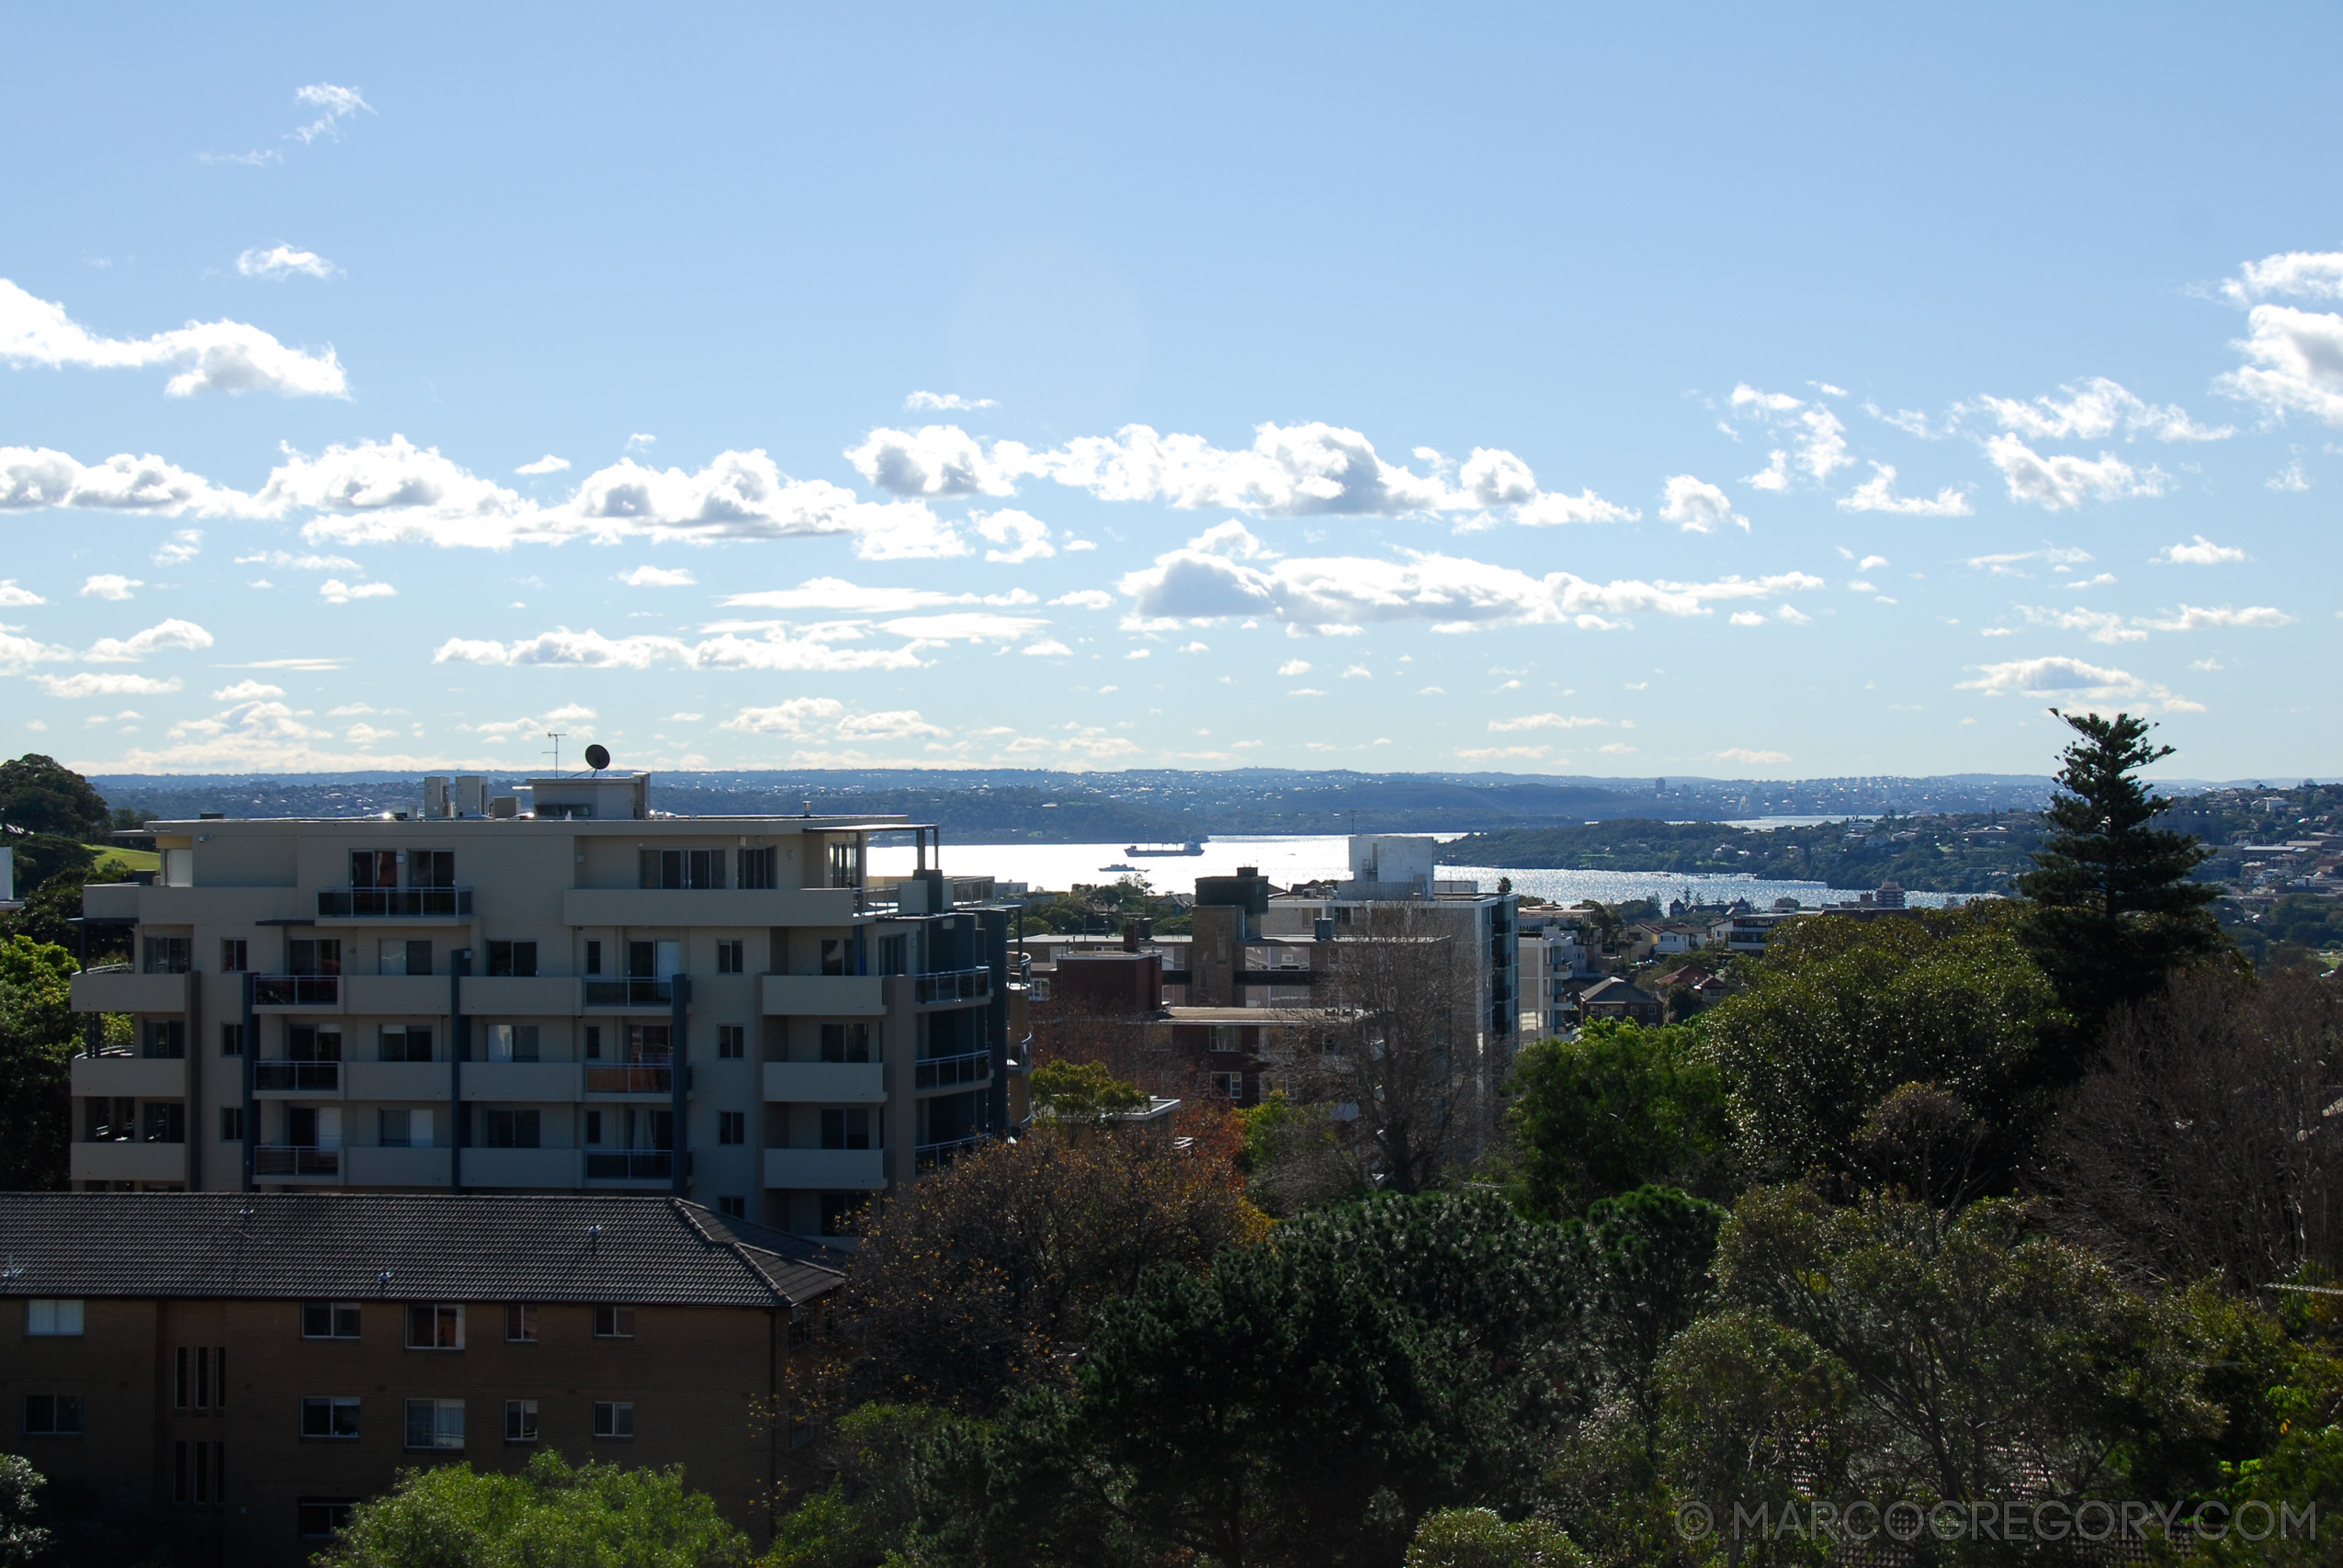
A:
[1961, 854]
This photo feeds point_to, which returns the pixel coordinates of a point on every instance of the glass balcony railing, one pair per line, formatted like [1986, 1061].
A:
[315, 1077]
[297, 990]
[630, 1165]
[394, 903]
[630, 1078]
[952, 986]
[296, 1159]
[932, 1157]
[641, 991]
[942, 1072]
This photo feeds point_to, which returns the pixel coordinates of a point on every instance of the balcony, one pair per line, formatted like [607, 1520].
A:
[822, 996]
[934, 1157]
[387, 1080]
[390, 1166]
[641, 992]
[524, 1081]
[447, 905]
[645, 908]
[295, 1160]
[120, 990]
[315, 991]
[129, 1162]
[826, 1083]
[520, 1167]
[630, 1165]
[946, 1072]
[836, 1170]
[521, 996]
[396, 995]
[949, 986]
[630, 1078]
[139, 1077]
[297, 1078]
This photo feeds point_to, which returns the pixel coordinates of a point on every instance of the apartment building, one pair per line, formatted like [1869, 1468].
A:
[569, 993]
[262, 1361]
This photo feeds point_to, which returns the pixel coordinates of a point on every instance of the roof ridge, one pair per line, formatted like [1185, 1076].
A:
[684, 1207]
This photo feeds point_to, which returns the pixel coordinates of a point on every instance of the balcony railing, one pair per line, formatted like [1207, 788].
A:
[932, 1157]
[297, 990]
[394, 903]
[942, 1072]
[296, 1159]
[631, 1077]
[951, 986]
[630, 1165]
[313, 1078]
[634, 993]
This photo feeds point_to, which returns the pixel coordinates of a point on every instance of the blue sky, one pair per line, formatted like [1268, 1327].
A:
[1787, 393]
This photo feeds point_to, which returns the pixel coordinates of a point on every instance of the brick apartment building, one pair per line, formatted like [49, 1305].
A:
[262, 1362]
[582, 995]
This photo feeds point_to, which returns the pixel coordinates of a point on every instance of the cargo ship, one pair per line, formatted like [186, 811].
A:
[1193, 847]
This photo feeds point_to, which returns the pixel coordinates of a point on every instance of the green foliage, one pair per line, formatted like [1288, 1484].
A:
[595, 1515]
[21, 1537]
[1478, 1537]
[1619, 1107]
[1936, 853]
[828, 1530]
[2113, 910]
[1840, 1014]
[1652, 1250]
[37, 1045]
[1079, 1092]
[1292, 1156]
[39, 795]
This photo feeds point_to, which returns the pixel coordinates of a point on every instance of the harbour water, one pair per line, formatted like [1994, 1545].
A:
[1288, 859]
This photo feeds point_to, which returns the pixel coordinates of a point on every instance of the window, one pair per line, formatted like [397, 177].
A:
[59, 1416]
[374, 868]
[406, 1043]
[729, 958]
[1231, 1085]
[512, 1042]
[231, 1039]
[322, 1517]
[846, 865]
[314, 956]
[169, 955]
[845, 1129]
[336, 1418]
[435, 1423]
[508, 1129]
[431, 868]
[163, 1121]
[731, 1042]
[731, 1127]
[757, 868]
[520, 1321]
[232, 957]
[307, 1043]
[895, 954]
[614, 1323]
[199, 1474]
[835, 955]
[593, 958]
[733, 1208]
[410, 1129]
[845, 1042]
[520, 1420]
[397, 956]
[232, 1123]
[329, 1320]
[594, 1042]
[800, 1327]
[614, 1419]
[683, 868]
[61, 1318]
[594, 1127]
[167, 1040]
[435, 1325]
[517, 959]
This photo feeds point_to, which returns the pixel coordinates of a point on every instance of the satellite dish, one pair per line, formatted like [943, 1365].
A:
[598, 756]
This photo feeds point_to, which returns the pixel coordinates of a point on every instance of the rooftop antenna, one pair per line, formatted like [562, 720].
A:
[555, 736]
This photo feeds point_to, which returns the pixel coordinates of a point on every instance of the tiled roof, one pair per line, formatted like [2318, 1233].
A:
[648, 1251]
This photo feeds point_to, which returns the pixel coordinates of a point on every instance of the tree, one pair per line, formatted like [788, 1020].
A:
[986, 1275]
[1842, 1014]
[36, 1065]
[21, 1538]
[602, 1515]
[1083, 1093]
[1617, 1108]
[1479, 1538]
[1293, 1156]
[39, 795]
[2113, 910]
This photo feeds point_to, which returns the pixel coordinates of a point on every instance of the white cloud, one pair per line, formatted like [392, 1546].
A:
[1196, 647]
[2297, 363]
[281, 261]
[32, 478]
[548, 464]
[333, 591]
[251, 691]
[937, 460]
[1086, 599]
[1306, 691]
[2095, 410]
[2205, 552]
[775, 651]
[11, 595]
[2290, 479]
[1743, 754]
[1869, 561]
[259, 158]
[95, 686]
[1494, 753]
[1140, 653]
[183, 546]
[1747, 619]
[940, 402]
[1295, 666]
[1617, 748]
[2305, 275]
[2099, 625]
[2197, 617]
[2062, 483]
[1025, 537]
[339, 104]
[659, 577]
[1793, 615]
[1358, 672]
[1878, 494]
[962, 625]
[1544, 721]
[1818, 441]
[1050, 649]
[172, 633]
[1698, 506]
[213, 356]
[2058, 558]
[565, 717]
[109, 585]
[2068, 679]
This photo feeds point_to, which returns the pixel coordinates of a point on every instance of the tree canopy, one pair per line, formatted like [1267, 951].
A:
[1617, 1108]
[40, 795]
[595, 1516]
